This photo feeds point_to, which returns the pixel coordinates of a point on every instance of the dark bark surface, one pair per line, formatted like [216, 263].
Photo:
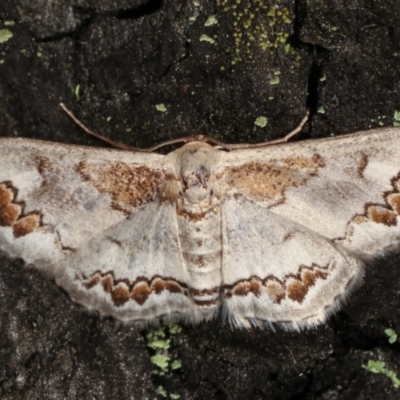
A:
[255, 58]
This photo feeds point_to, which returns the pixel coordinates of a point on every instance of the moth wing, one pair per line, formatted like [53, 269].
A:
[276, 271]
[345, 188]
[341, 198]
[95, 220]
[134, 270]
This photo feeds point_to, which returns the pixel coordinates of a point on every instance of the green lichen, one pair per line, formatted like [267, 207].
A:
[159, 344]
[378, 367]
[176, 364]
[261, 122]
[211, 20]
[391, 334]
[161, 107]
[321, 110]
[161, 361]
[274, 81]
[77, 93]
[174, 328]
[161, 391]
[159, 341]
[396, 118]
[5, 35]
[205, 38]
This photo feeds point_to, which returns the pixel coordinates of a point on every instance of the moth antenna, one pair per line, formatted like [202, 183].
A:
[113, 143]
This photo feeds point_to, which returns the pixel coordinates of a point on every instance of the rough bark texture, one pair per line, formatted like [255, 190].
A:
[259, 58]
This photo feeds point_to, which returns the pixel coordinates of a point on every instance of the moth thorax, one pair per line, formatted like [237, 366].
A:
[196, 185]
[197, 163]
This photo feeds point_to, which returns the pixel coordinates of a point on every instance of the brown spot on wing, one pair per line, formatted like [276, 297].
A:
[108, 283]
[276, 291]
[128, 185]
[9, 214]
[93, 281]
[26, 224]
[293, 287]
[382, 215]
[251, 286]
[120, 294]
[269, 180]
[6, 194]
[394, 201]
[298, 288]
[12, 212]
[385, 213]
[362, 165]
[139, 291]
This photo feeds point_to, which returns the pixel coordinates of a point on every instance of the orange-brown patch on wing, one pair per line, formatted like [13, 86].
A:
[9, 211]
[127, 185]
[158, 286]
[173, 287]
[294, 287]
[26, 225]
[270, 180]
[108, 283]
[9, 214]
[139, 291]
[12, 215]
[93, 281]
[385, 213]
[305, 164]
[394, 201]
[120, 294]
[297, 291]
[6, 195]
[276, 291]
[251, 286]
[298, 288]
[382, 215]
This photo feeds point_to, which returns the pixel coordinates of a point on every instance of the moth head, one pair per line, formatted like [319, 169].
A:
[196, 163]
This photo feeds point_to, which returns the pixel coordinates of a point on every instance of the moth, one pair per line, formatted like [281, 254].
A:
[268, 235]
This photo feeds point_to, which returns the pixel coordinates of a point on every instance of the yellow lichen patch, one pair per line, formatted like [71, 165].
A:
[256, 25]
